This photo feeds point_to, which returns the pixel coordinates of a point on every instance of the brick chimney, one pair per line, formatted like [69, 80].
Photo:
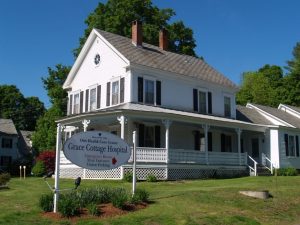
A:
[163, 39]
[137, 33]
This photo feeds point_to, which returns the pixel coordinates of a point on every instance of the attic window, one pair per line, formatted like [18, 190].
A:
[97, 59]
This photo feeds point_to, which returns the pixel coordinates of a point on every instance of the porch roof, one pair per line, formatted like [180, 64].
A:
[148, 111]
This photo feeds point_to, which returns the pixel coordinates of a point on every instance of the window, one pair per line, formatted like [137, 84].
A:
[226, 143]
[93, 99]
[115, 93]
[227, 106]
[5, 161]
[291, 145]
[76, 104]
[6, 143]
[149, 136]
[149, 91]
[202, 102]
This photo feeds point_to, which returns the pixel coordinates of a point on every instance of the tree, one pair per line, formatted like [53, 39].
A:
[116, 16]
[44, 138]
[23, 111]
[262, 87]
[292, 80]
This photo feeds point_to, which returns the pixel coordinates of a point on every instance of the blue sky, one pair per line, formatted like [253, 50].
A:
[233, 36]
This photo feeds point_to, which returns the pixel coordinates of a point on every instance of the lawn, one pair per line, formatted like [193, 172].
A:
[178, 202]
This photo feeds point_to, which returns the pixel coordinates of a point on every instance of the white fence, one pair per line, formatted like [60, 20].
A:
[157, 155]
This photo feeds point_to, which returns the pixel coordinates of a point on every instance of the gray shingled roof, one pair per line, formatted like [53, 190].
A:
[297, 109]
[250, 115]
[153, 56]
[7, 126]
[294, 121]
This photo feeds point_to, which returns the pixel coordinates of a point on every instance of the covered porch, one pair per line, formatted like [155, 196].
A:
[172, 139]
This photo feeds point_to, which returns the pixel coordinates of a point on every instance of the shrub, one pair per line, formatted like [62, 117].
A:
[68, 205]
[151, 178]
[287, 171]
[4, 178]
[93, 209]
[46, 202]
[96, 195]
[119, 198]
[140, 195]
[39, 169]
[128, 177]
[48, 158]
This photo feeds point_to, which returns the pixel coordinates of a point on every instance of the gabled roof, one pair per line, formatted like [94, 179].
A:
[280, 114]
[153, 57]
[296, 109]
[7, 127]
[249, 115]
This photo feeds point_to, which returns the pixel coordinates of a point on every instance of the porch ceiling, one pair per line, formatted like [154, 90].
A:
[153, 113]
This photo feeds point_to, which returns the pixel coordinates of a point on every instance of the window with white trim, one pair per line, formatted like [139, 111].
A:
[291, 145]
[202, 102]
[76, 107]
[227, 106]
[93, 99]
[115, 91]
[149, 92]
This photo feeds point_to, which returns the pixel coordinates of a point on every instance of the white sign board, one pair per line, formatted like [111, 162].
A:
[97, 150]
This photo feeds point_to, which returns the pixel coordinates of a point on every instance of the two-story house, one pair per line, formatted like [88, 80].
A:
[183, 110]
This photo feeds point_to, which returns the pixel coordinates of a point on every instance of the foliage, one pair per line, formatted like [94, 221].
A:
[23, 111]
[140, 195]
[68, 205]
[45, 136]
[119, 197]
[39, 169]
[93, 209]
[262, 87]
[287, 171]
[48, 158]
[46, 202]
[4, 178]
[128, 177]
[116, 16]
[95, 195]
[151, 178]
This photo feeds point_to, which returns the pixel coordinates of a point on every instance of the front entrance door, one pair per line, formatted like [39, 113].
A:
[255, 148]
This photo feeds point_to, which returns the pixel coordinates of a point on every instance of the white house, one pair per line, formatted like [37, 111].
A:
[183, 110]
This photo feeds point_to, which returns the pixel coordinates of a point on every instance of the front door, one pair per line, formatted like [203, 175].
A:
[255, 148]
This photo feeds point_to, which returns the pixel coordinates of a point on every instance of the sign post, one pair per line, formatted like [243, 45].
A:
[57, 161]
[134, 164]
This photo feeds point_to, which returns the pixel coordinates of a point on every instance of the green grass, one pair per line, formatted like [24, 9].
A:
[181, 202]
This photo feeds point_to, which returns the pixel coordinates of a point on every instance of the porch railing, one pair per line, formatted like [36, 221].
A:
[252, 164]
[144, 154]
[267, 163]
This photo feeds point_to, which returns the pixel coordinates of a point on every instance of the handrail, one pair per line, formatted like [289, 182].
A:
[271, 164]
[255, 166]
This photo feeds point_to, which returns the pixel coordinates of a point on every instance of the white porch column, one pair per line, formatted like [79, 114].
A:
[239, 132]
[122, 120]
[57, 162]
[206, 128]
[85, 124]
[167, 124]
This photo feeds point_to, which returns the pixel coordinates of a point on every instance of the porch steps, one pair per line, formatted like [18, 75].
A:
[263, 171]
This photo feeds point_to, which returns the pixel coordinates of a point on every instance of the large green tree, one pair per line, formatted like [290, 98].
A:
[262, 87]
[23, 111]
[45, 135]
[292, 80]
[116, 16]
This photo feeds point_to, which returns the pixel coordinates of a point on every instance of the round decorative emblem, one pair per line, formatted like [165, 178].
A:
[97, 59]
